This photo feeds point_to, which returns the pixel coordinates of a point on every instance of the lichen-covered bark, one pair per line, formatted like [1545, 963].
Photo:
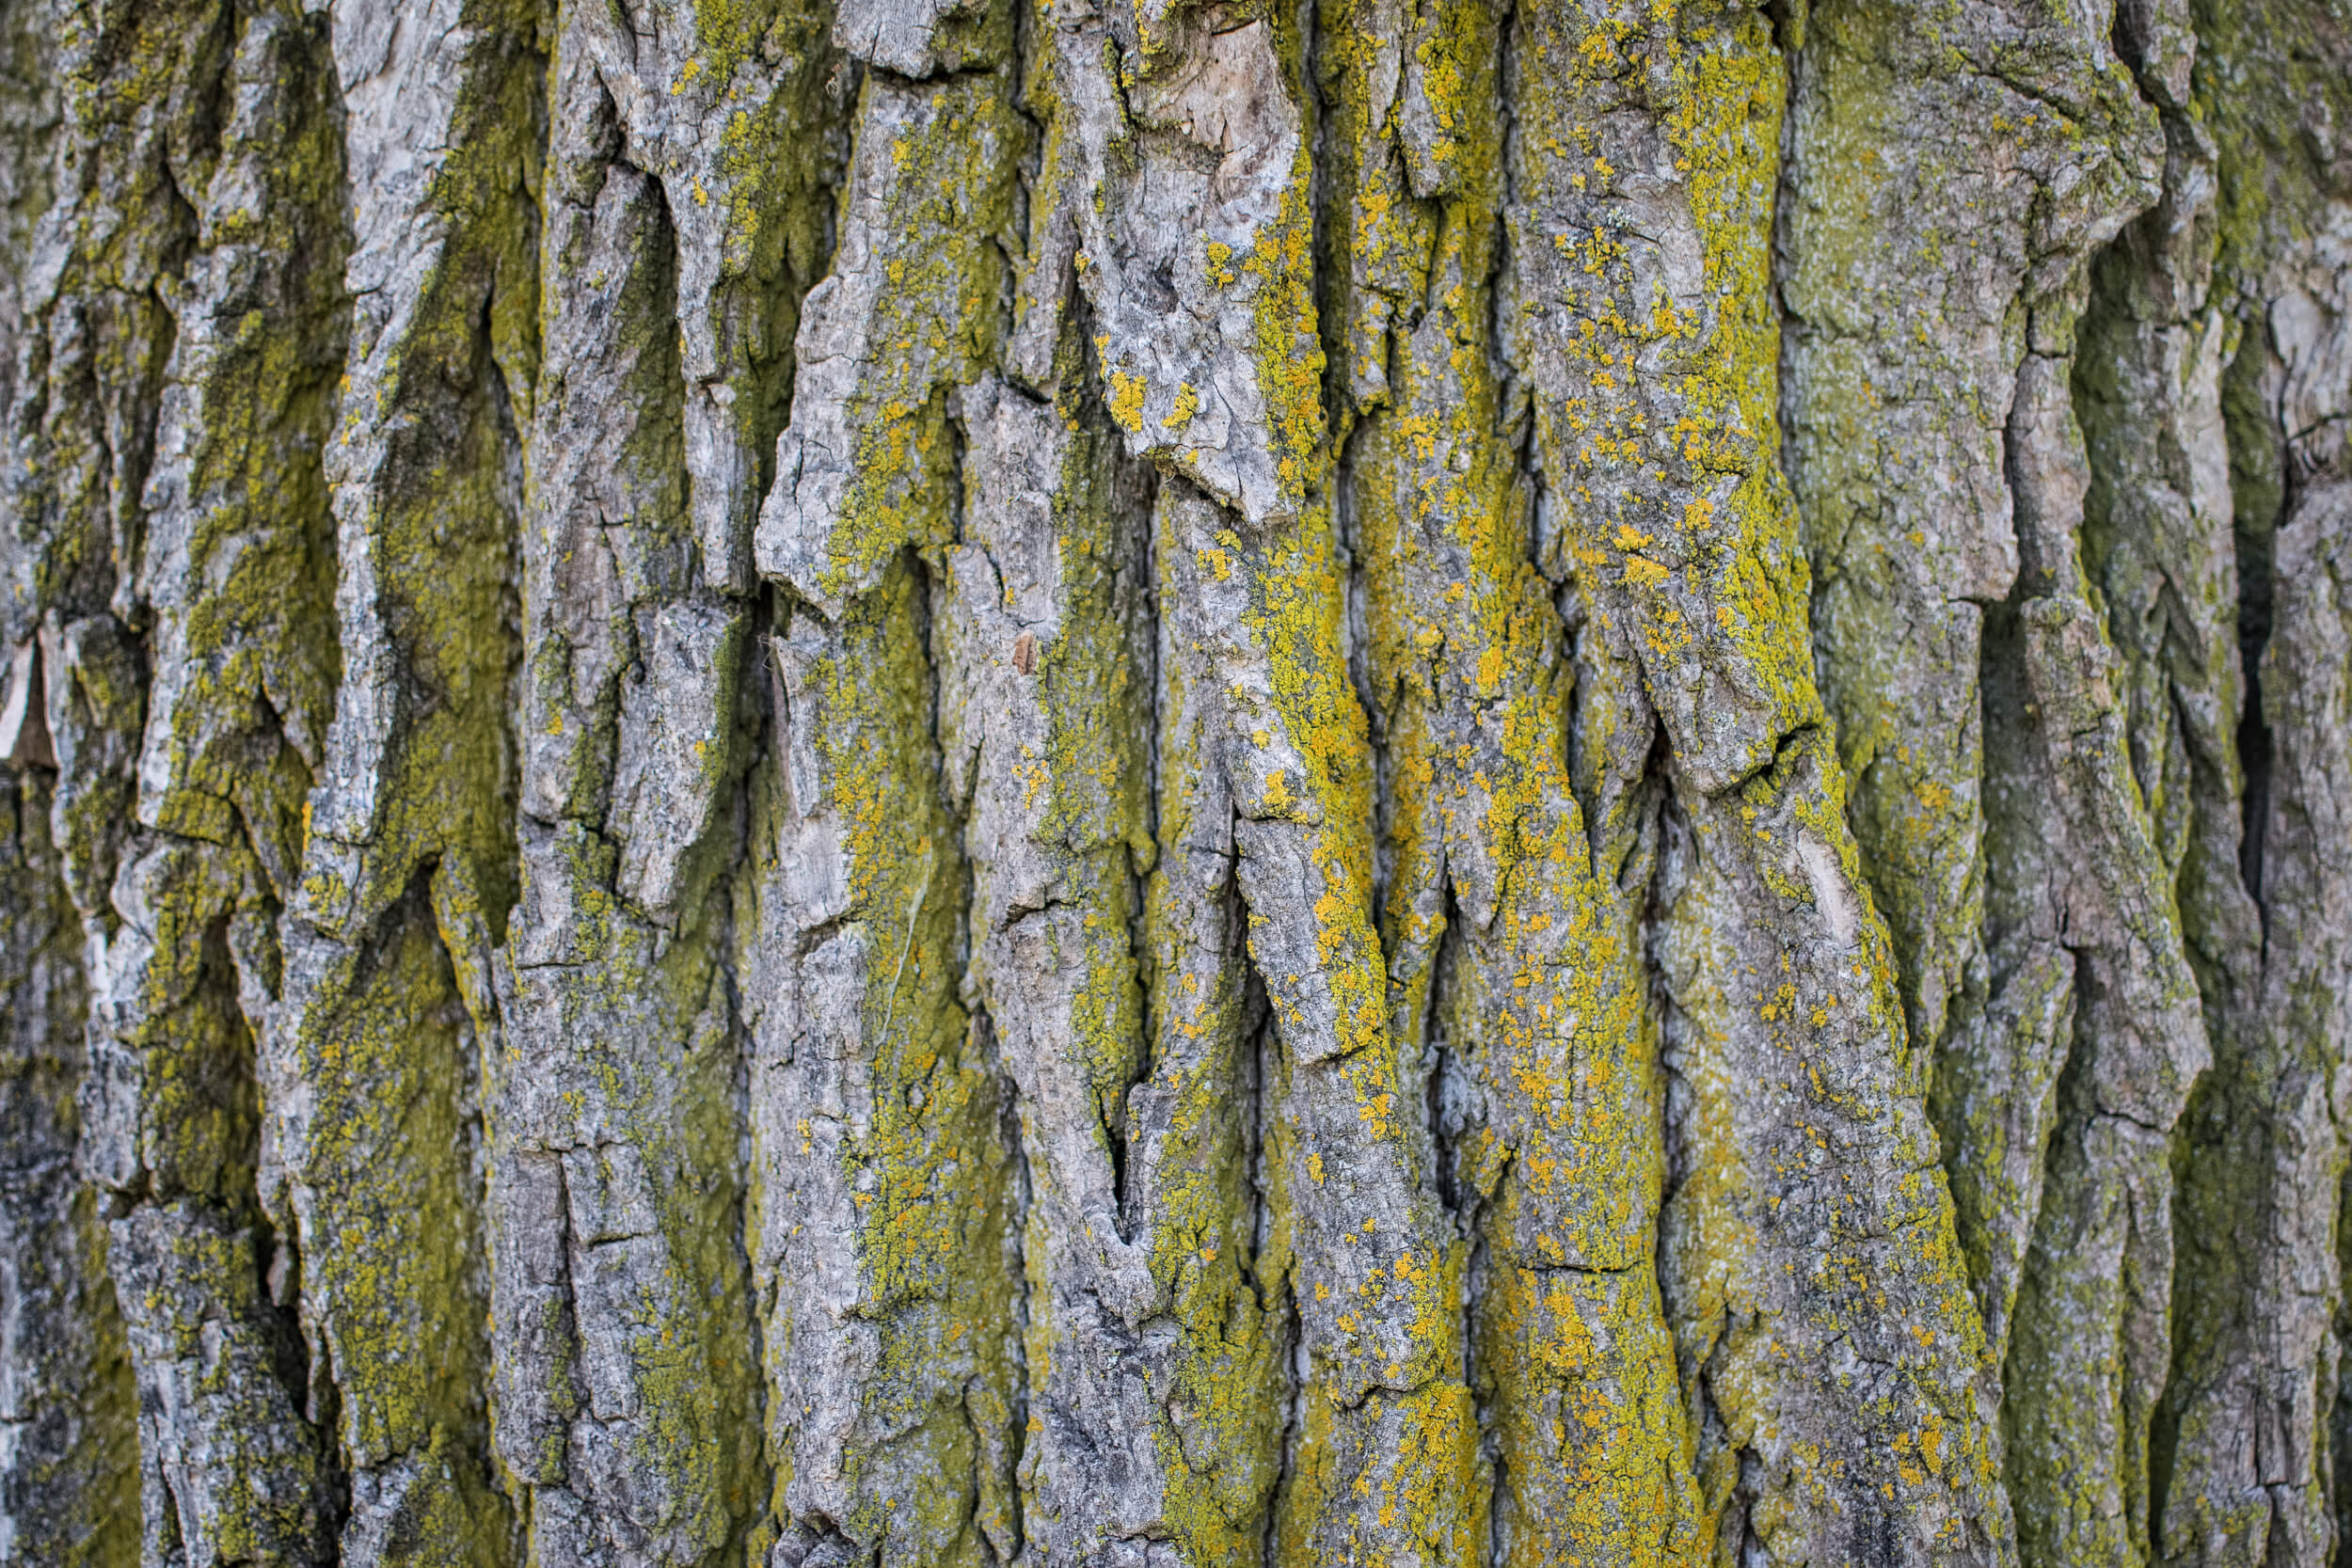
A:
[2255, 1416]
[804, 783]
[1515, 942]
[885, 1240]
[68, 1399]
[626, 1354]
[68, 1402]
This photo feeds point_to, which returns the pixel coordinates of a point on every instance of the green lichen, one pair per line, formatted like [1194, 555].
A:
[1660, 447]
[388, 1230]
[1288, 350]
[1545, 1004]
[380, 1030]
[951, 191]
[70, 1487]
[928, 1175]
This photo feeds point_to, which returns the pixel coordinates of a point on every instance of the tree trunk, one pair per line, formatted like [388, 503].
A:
[1386, 781]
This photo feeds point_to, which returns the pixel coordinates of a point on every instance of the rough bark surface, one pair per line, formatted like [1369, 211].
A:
[896, 782]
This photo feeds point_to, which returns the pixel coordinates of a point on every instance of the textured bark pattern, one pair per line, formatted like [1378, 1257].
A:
[897, 783]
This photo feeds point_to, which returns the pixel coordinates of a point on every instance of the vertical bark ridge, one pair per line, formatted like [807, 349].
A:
[2251, 1441]
[1192, 227]
[195, 225]
[1209, 1172]
[1909, 282]
[1386, 1456]
[69, 1440]
[138, 87]
[894, 1366]
[1152, 1373]
[1056, 785]
[2045, 938]
[628, 1377]
[1841, 1400]
[1557, 1168]
[1150, 782]
[1896, 442]
[68, 1403]
[738, 109]
[2156, 548]
[373, 1053]
[2088, 1338]
[2307, 890]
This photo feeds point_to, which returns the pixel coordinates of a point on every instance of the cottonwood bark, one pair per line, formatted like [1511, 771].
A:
[1376, 782]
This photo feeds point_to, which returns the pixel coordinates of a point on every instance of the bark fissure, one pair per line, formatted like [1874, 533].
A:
[826, 783]
[2253, 526]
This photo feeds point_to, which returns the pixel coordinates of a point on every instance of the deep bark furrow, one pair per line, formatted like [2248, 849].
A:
[69, 1402]
[1548, 1092]
[2248, 1434]
[1839, 1420]
[806, 783]
[894, 1366]
[375, 1045]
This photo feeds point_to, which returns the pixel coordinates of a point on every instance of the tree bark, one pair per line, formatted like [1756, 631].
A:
[819, 783]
